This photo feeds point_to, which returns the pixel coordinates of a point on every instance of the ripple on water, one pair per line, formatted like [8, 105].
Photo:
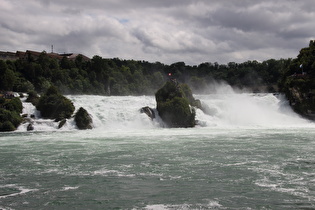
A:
[10, 190]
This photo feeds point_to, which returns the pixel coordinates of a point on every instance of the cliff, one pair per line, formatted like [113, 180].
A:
[174, 105]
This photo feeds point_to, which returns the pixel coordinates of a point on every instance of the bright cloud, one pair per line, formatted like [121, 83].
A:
[192, 31]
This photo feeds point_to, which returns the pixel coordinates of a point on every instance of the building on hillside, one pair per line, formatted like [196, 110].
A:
[72, 56]
[7, 55]
[34, 55]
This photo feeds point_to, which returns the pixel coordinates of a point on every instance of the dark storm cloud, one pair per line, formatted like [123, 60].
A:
[192, 31]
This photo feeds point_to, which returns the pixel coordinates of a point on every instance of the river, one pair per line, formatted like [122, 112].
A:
[249, 152]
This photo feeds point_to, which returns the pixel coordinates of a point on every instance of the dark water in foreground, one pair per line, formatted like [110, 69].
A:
[200, 168]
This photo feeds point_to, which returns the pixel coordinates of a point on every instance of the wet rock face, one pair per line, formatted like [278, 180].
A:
[173, 105]
[83, 120]
[148, 111]
[30, 127]
[302, 102]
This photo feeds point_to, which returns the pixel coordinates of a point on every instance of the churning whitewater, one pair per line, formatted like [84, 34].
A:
[223, 109]
[250, 151]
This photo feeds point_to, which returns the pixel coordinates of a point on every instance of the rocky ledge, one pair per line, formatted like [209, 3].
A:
[175, 105]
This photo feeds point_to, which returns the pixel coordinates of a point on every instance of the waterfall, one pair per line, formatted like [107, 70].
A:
[223, 108]
[250, 110]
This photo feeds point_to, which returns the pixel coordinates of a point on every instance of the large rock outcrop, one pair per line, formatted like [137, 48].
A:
[298, 82]
[302, 102]
[174, 105]
[83, 120]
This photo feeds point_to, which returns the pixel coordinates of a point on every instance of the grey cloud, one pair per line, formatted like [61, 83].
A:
[192, 31]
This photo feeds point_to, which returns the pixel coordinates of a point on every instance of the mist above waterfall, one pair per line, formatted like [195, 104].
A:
[234, 107]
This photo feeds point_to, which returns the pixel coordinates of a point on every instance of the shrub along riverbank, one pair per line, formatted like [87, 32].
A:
[10, 110]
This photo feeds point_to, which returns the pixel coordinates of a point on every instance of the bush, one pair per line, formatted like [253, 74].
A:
[10, 120]
[7, 126]
[186, 91]
[168, 92]
[33, 98]
[53, 105]
[14, 104]
[23, 85]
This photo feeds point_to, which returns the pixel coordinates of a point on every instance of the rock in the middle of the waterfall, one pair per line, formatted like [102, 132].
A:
[173, 105]
[83, 120]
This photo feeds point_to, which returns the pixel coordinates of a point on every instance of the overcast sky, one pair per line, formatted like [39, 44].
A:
[168, 31]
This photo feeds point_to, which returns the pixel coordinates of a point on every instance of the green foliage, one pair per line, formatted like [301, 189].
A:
[177, 113]
[10, 110]
[129, 77]
[187, 93]
[9, 120]
[7, 126]
[167, 92]
[83, 119]
[173, 105]
[298, 82]
[52, 90]
[23, 85]
[33, 98]
[53, 105]
[14, 104]
[7, 77]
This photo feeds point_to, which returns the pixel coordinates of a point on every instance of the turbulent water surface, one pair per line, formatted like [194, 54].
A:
[250, 152]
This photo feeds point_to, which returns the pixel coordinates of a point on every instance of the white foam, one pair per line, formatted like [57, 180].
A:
[106, 172]
[69, 188]
[226, 108]
[248, 110]
[211, 204]
[21, 190]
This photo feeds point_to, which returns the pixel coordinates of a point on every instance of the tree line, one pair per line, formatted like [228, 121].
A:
[115, 76]
[294, 77]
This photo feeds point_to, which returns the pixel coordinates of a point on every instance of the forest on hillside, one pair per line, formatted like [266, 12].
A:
[42, 74]
[115, 76]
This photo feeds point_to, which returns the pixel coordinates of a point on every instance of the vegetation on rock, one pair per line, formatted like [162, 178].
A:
[53, 105]
[173, 105]
[33, 98]
[298, 82]
[10, 110]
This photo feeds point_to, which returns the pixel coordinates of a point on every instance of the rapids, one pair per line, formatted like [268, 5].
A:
[251, 151]
[223, 109]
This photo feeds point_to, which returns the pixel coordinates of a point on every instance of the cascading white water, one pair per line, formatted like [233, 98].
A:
[229, 107]
[116, 112]
[250, 110]
[34, 118]
[224, 108]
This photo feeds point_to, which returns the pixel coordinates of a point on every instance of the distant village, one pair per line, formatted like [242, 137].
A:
[25, 55]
